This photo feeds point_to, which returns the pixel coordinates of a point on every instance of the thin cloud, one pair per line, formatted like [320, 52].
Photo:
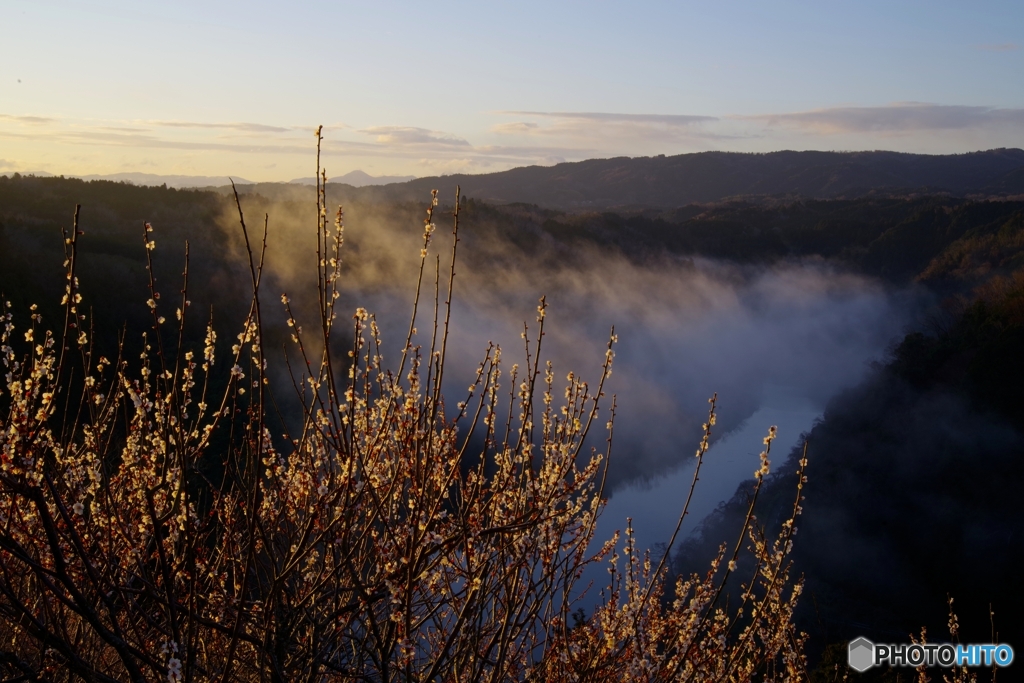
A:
[237, 126]
[532, 154]
[616, 133]
[998, 47]
[35, 120]
[402, 144]
[516, 127]
[457, 165]
[607, 117]
[537, 137]
[900, 117]
[408, 135]
[106, 138]
[390, 144]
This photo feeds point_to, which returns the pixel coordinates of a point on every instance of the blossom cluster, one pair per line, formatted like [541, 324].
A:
[155, 528]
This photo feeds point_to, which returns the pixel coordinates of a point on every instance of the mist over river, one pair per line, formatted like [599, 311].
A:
[775, 344]
[774, 340]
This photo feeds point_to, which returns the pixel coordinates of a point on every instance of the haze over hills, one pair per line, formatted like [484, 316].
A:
[355, 179]
[155, 179]
[358, 179]
[673, 181]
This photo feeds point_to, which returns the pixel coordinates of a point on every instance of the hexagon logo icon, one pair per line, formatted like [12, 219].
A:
[861, 654]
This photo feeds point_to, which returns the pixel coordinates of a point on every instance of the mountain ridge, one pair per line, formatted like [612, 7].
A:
[355, 178]
[674, 181]
[669, 182]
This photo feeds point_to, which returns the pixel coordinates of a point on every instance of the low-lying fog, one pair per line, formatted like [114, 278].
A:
[774, 341]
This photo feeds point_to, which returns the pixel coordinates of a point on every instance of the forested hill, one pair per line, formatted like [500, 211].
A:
[674, 181]
[912, 494]
[670, 182]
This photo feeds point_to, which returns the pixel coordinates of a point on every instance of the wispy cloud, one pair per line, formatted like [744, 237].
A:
[34, 120]
[900, 117]
[508, 139]
[235, 126]
[388, 142]
[108, 138]
[514, 128]
[998, 47]
[404, 148]
[608, 117]
[615, 133]
[407, 135]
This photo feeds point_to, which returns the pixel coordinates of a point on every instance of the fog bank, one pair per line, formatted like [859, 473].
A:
[687, 327]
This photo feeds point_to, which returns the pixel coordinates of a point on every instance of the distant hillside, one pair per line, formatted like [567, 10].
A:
[353, 178]
[912, 494]
[673, 181]
[668, 182]
[358, 179]
[178, 181]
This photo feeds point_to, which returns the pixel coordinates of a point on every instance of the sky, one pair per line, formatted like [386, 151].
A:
[414, 88]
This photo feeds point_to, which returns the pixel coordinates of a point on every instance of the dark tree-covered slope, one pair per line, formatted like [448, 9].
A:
[913, 491]
[674, 181]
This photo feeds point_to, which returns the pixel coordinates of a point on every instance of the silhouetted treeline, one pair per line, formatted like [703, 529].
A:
[947, 242]
[674, 181]
[112, 263]
[913, 491]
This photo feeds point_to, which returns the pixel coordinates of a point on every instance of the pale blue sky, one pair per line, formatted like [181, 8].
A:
[423, 88]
